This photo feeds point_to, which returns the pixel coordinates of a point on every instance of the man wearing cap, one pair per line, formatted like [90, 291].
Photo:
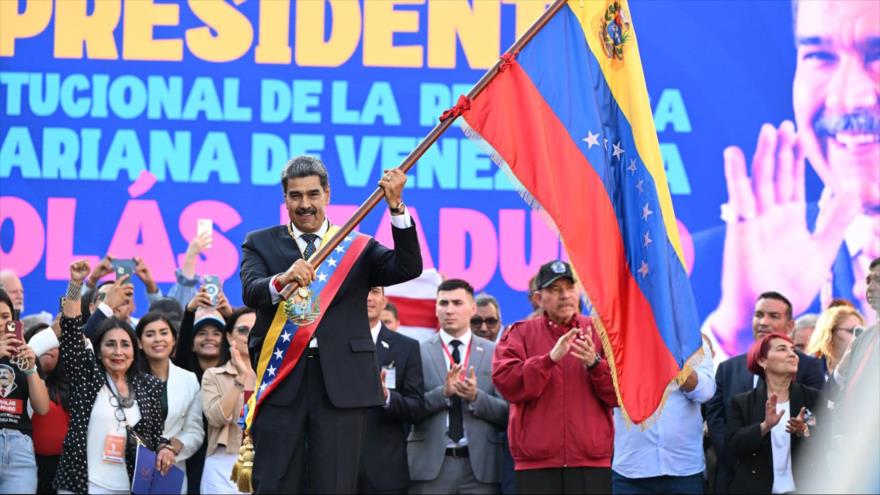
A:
[552, 370]
[308, 430]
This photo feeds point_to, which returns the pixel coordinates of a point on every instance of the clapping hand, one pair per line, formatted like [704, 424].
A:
[453, 376]
[771, 415]
[797, 426]
[766, 222]
[467, 388]
[584, 349]
[563, 345]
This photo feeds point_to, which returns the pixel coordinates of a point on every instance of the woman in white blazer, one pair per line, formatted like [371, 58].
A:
[182, 402]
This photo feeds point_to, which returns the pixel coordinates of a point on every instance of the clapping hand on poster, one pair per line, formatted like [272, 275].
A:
[766, 224]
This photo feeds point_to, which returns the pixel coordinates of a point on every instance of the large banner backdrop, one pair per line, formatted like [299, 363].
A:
[213, 96]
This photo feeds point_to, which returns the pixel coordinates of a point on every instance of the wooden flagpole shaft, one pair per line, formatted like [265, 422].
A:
[427, 142]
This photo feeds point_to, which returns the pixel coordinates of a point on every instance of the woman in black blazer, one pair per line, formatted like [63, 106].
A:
[108, 393]
[763, 436]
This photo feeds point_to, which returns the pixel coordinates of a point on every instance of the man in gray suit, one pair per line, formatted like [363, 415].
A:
[456, 447]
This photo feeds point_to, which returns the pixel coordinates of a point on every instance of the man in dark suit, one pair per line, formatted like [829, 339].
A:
[308, 433]
[383, 460]
[772, 315]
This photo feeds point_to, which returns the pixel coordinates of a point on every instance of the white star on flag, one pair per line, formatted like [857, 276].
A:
[339, 249]
[643, 270]
[632, 166]
[270, 370]
[286, 336]
[640, 185]
[348, 238]
[647, 239]
[331, 261]
[262, 387]
[322, 277]
[618, 150]
[606, 143]
[591, 140]
[278, 354]
[646, 212]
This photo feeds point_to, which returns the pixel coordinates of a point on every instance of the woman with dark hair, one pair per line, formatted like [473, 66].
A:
[113, 405]
[225, 389]
[50, 428]
[200, 347]
[767, 427]
[19, 383]
[183, 430]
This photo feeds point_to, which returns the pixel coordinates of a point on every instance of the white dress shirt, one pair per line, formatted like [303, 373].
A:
[673, 445]
[463, 353]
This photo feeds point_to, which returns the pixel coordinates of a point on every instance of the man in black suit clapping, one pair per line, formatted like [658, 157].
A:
[383, 461]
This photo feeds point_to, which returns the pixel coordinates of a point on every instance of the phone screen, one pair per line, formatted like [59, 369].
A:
[123, 267]
[213, 285]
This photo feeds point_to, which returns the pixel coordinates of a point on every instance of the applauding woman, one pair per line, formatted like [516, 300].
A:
[112, 403]
[224, 391]
[766, 427]
[19, 383]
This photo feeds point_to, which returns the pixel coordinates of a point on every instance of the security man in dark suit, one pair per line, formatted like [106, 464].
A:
[308, 433]
[773, 314]
[384, 466]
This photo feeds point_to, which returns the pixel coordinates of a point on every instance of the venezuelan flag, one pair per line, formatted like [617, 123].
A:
[569, 118]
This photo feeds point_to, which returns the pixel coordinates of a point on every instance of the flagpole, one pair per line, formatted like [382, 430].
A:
[429, 140]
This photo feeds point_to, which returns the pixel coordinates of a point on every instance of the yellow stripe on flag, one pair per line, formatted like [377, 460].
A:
[627, 82]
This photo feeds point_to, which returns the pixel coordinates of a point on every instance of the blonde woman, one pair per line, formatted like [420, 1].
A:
[834, 331]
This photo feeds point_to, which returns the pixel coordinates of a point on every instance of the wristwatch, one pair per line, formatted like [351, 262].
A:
[397, 210]
[595, 363]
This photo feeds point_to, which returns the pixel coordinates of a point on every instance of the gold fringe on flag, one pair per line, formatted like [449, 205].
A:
[243, 470]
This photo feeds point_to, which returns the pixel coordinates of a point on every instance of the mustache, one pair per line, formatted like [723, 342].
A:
[306, 211]
[862, 121]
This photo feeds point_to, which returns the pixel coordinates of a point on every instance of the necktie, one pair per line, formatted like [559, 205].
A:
[456, 423]
[310, 245]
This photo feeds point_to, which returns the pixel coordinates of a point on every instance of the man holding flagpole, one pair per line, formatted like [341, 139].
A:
[315, 359]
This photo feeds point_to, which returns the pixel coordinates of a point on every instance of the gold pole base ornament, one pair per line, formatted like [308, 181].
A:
[243, 470]
[301, 308]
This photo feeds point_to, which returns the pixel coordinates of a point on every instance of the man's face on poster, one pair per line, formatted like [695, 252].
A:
[837, 92]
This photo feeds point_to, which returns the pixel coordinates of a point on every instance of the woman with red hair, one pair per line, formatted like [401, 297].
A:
[767, 427]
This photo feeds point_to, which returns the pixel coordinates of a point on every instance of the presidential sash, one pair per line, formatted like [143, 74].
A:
[286, 341]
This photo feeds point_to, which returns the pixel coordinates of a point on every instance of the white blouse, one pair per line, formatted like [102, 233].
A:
[184, 420]
[112, 476]
[783, 479]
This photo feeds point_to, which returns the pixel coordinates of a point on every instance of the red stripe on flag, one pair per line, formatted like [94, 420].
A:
[415, 312]
[513, 117]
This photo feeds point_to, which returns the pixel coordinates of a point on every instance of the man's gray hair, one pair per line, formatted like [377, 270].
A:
[806, 321]
[304, 166]
[483, 299]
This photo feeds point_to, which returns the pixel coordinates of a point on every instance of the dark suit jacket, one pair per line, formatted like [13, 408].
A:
[383, 461]
[751, 451]
[348, 355]
[733, 378]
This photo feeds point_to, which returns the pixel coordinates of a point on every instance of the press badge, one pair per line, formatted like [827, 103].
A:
[114, 448]
[390, 376]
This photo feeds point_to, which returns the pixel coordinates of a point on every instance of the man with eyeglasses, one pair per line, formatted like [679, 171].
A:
[487, 322]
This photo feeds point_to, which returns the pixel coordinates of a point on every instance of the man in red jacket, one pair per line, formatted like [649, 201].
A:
[552, 371]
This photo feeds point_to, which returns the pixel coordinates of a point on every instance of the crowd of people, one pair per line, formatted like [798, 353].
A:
[481, 407]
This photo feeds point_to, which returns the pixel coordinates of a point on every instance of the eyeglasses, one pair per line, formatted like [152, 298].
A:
[850, 330]
[477, 322]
